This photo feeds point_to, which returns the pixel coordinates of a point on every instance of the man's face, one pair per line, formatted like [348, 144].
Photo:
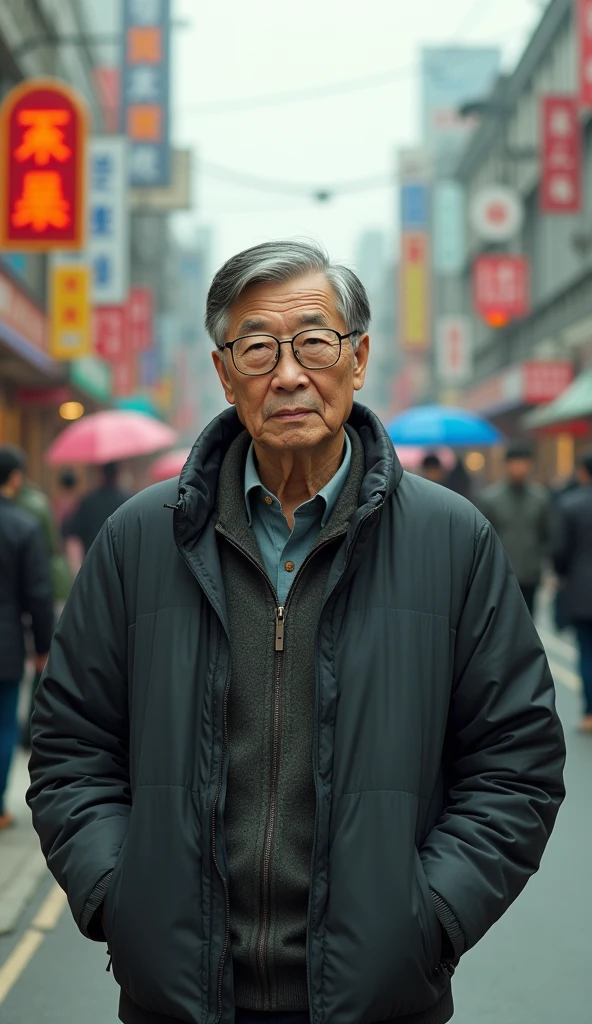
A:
[291, 408]
[518, 470]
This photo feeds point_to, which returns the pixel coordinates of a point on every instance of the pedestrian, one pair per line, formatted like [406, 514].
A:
[67, 499]
[432, 468]
[572, 555]
[520, 512]
[296, 750]
[459, 480]
[95, 508]
[25, 589]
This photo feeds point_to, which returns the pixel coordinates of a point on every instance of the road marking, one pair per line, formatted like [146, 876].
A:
[23, 952]
[50, 911]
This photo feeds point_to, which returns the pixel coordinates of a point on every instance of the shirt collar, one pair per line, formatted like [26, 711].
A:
[328, 494]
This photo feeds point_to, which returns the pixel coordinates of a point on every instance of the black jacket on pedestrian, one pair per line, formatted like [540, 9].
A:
[572, 553]
[437, 755]
[94, 510]
[25, 588]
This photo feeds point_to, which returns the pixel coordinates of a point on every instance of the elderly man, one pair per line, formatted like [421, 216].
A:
[296, 750]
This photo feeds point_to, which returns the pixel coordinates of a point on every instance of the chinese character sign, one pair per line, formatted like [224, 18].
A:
[414, 283]
[501, 288]
[110, 333]
[43, 132]
[140, 326]
[453, 349]
[108, 227]
[70, 305]
[145, 90]
[561, 185]
[584, 46]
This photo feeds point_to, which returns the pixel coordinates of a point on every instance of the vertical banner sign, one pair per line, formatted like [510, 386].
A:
[414, 268]
[124, 376]
[43, 161]
[108, 227]
[70, 306]
[584, 44]
[145, 90]
[453, 349]
[501, 288]
[449, 228]
[561, 156]
[110, 333]
[140, 319]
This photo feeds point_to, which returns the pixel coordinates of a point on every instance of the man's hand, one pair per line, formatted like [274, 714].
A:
[40, 662]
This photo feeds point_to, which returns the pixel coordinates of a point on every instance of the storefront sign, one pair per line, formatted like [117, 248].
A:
[584, 46]
[70, 311]
[501, 288]
[561, 157]
[496, 213]
[140, 319]
[43, 133]
[145, 90]
[108, 228]
[453, 349]
[530, 383]
[546, 380]
[110, 333]
[414, 273]
[449, 228]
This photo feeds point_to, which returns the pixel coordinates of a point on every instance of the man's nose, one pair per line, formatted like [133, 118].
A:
[288, 370]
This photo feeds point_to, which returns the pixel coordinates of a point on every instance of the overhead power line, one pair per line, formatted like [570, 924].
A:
[321, 193]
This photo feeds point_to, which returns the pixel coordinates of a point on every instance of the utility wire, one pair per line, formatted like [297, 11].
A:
[316, 191]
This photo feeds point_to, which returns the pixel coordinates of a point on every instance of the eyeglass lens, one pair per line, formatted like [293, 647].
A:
[315, 350]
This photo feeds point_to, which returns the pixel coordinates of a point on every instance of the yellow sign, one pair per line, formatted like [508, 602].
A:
[70, 311]
[414, 292]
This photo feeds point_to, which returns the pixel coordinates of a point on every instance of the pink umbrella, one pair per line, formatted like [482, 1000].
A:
[168, 465]
[110, 436]
[410, 456]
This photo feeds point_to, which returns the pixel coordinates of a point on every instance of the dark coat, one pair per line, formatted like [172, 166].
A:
[572, 553]
[438, 754]
[94, 510]
[25, 588]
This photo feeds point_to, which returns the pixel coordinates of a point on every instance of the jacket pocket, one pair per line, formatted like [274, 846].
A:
[430, 925]
[112, 898]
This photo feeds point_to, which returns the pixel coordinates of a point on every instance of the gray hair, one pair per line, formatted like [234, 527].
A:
[283, 261]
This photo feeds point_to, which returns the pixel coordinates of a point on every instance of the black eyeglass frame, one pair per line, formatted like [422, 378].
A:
[342, 337]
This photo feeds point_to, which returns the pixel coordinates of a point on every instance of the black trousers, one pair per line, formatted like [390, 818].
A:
[528, 592]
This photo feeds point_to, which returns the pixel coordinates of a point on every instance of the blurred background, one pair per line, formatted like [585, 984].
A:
[441, 150]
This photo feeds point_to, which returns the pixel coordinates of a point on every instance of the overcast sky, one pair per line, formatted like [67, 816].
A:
[235, 50]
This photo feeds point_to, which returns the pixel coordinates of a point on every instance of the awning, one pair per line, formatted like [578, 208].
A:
[572, 404]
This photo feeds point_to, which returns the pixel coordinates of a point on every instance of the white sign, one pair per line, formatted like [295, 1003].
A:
[453, 349]
[496, 213]
[449, 223]
[108, 219]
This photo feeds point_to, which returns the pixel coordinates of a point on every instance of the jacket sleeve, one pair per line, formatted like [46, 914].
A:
[37, 588]
[505, 752]
[80, 790]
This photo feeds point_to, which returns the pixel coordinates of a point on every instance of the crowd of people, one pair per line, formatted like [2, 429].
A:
[41, 549]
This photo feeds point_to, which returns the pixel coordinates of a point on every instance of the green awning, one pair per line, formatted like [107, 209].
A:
[574, 403]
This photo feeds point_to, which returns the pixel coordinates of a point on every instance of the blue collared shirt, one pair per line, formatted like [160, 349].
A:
[283, 552]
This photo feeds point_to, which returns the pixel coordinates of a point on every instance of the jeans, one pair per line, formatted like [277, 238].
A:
[584, 636]
[8, 732]
[266, 1017]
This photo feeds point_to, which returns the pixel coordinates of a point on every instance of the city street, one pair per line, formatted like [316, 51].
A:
[530, 968]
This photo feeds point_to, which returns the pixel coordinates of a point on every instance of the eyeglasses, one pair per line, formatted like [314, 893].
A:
[315, 349]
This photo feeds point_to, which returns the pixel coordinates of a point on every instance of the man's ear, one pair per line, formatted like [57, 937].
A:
[220, 364]
[361, 361]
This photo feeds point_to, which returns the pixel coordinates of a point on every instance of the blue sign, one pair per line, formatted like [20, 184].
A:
[145, 82]
[414, 207]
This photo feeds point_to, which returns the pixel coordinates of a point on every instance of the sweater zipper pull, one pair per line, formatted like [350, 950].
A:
[279, 629]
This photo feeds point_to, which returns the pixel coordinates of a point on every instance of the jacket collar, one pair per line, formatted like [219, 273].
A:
[198, 484]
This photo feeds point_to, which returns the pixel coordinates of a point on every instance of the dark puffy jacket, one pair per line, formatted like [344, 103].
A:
[572, 553]
[25, 588]
[438, 754]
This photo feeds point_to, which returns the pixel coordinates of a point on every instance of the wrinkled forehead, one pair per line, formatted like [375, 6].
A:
[293, 305]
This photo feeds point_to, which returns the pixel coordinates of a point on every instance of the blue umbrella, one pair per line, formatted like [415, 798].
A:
[442, 424]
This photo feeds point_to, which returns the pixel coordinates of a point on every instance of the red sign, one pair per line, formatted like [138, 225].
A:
[140, 319]
[43, 131]
[124, 376]
[584, 43]
[501, 288]
[110, 333]
[545, 381]
[561, 157]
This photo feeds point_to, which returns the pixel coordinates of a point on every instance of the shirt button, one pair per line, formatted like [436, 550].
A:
[268, 500]
[289, 567]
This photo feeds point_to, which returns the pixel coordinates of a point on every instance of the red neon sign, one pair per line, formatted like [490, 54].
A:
[43, 132]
